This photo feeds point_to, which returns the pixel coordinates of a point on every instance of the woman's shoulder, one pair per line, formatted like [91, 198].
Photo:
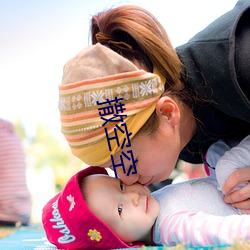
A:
[209, 65]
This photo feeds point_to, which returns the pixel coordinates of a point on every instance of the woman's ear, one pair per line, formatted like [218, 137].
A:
[168, 109]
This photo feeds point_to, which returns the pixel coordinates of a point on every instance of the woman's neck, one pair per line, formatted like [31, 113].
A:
[187, 125]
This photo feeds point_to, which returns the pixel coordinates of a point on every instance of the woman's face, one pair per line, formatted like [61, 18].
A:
[157, 156]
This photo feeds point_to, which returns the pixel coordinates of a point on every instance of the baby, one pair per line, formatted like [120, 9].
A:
[96, 211]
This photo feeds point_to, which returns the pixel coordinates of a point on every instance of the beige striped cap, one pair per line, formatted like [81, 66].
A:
[98, 74]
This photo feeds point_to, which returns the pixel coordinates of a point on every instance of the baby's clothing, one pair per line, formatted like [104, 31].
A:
[194, 212]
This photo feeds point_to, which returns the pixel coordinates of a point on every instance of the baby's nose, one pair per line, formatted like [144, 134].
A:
[133, 197]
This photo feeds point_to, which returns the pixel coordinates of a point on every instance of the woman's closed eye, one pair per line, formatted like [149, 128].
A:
[120, 206]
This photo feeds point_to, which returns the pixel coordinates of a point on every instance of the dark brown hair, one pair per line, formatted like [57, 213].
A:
[136, 34]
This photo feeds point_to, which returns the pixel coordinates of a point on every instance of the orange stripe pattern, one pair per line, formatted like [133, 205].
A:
[80, 118]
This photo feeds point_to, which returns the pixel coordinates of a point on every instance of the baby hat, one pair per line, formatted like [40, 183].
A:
[98, 74]
[69, 223]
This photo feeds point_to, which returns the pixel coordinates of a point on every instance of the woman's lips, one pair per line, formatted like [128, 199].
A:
[148, 182]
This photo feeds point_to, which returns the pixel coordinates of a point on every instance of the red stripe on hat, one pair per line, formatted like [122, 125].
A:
[103, 79]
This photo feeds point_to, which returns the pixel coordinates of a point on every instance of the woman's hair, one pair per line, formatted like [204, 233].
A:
[137, 35]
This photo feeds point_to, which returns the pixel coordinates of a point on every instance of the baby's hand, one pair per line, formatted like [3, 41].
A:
[240, 198]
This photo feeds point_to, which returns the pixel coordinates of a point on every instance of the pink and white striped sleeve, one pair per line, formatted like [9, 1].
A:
[15, 199]
[201, 229]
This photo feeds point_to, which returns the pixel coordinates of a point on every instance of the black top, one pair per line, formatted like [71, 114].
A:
[217, 67]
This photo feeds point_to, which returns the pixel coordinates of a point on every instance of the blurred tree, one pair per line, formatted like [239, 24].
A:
[45, 150]
[20, 130]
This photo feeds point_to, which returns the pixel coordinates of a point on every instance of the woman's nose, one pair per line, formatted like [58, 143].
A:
[129, 180]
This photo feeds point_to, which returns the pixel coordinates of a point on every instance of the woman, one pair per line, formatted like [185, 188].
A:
[206, 93]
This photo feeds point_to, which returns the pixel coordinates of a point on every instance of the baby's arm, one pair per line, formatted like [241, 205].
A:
[201, 229]
[214, 153]
[237, 157]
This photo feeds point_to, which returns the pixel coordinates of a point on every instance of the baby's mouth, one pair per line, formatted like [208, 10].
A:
[147, 203]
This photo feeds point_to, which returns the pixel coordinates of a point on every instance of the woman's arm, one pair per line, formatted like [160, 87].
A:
[237, 157]
[240, 198]
[231, 161]
[233, 175]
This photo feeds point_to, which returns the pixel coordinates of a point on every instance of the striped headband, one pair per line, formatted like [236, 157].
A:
[92, 81]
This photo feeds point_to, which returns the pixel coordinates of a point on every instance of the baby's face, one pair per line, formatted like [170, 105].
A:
[130, 211]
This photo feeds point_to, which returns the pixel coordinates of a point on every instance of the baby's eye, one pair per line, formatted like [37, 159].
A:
[120, 206]
[121, 186]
